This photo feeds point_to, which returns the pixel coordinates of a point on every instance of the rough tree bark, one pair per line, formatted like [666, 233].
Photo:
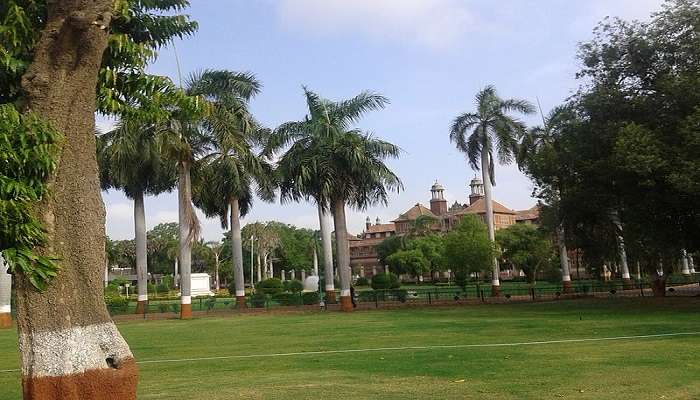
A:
[326, 243]
[486, 176]
[237, 247]
[342, 254]
[184, 194]
[5, 296]
[141, 253]
[69, 346]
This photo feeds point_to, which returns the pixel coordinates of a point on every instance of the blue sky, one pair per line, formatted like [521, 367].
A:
[428, 56]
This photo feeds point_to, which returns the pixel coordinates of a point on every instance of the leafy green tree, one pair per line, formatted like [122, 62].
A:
[53, 62]
[525, 247]
[484, 134]
[468, 248]
[432, 247]
[130, 160]
[163, 247]
[409, 261]
[389, 246]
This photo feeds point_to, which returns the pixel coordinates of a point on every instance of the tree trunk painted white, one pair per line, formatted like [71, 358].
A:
[265, 267]
[488, 202]
[237, 246]
[639, 271]
[259, 273]
[343, 254]
[5, 295]
[184, 190]
[141, 253]
[685, 269]
[563, 258]
[622, 253]
[692, 264]
[324, 220]
[217, 284]
[283, 275]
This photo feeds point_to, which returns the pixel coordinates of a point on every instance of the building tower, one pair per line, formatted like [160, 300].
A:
[368, 223]
[438, 204]
[477, 190]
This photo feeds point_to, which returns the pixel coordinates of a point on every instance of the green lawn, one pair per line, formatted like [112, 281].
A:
[652, 368]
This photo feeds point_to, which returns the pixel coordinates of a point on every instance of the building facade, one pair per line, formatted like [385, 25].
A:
[363, 253]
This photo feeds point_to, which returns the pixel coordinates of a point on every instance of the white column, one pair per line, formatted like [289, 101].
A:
[294, 275]
[5, 287]
[303, 275]
[282, 275]
[386, 269]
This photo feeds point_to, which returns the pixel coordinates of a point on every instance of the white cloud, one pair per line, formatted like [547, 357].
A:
[432, 23]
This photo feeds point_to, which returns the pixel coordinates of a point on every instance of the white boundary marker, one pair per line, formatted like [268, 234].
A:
[403, 348]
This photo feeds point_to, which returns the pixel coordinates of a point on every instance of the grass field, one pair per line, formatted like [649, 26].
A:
[635, 368]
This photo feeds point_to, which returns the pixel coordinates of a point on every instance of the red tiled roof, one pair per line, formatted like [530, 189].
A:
[529, 214]
[479, 207]
[381, 228]
[415, 212]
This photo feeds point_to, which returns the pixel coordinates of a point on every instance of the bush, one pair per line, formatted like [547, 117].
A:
[168, 281]
[385, 281]
[175, 307]
[150, 288]
[162, 288]
[269, 286]
[163, 307]
[287, 299]
[231, 288]
[366, 296]
[310, 298]
[461, 279]
[117, 304]
[258, 300]
[362, 281]
[293, 286]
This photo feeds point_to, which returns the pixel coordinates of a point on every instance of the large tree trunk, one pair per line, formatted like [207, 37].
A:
[488, 202]
[69, 346]
[343, 254]
[184, 194]
[141, 255]
[237, 245]
[563, 260]
[5, 295]
[326, 243]
[622, 253]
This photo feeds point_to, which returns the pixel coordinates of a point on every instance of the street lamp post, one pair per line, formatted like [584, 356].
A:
[252, 284]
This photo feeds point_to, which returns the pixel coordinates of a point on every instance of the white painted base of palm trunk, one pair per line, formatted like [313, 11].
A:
[186, 300]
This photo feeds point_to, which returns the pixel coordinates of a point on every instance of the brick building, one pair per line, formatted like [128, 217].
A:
[363, 254]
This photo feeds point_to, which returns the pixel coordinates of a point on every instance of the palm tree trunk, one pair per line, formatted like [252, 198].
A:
[563, 260]
[237, 245]
[176, 277]
[622, 253]
[216, 272]
[263, 267]
[315, 260]
[141, 255]
[70, 348]
[5, 295]
[343, 254]
[184, 192]
[326, 243]
[259, 272]
[495, 281]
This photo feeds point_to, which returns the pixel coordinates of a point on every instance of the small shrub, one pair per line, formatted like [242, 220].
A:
[362, 281]
[294, 286]
[385, 281]
[461, 279]
[162, 288]
[117, 304]
[168, 282]
[269, 286]
[150, 288]
[231, 288]
[210, 303]
[400, 295]
[175, 307]
[310, 298]
[366, 296]
[287, 299]
[163, 307]
[258, 300]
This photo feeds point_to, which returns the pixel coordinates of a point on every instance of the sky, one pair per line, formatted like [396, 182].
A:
[429, 57]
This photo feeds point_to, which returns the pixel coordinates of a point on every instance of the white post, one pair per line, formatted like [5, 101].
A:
[692, 264]
[294, 275]
[386, 269]
[315, 260]
[283, 275]
[303, 275]
[5, 295]
[176, 277]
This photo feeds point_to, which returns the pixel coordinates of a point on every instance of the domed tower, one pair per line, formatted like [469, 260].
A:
[477, 190]
[438, 204]
[368, 223]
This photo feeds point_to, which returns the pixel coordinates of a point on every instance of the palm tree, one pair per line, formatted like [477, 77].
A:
[130, 159]
[327, 161]
[228, 172]
[481, 134]
[537, 141]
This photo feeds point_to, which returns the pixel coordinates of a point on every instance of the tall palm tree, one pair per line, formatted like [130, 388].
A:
[227, 174]
[537, 141]
[488, 132]
[130, 160]
[300, 169]
[335, 165]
